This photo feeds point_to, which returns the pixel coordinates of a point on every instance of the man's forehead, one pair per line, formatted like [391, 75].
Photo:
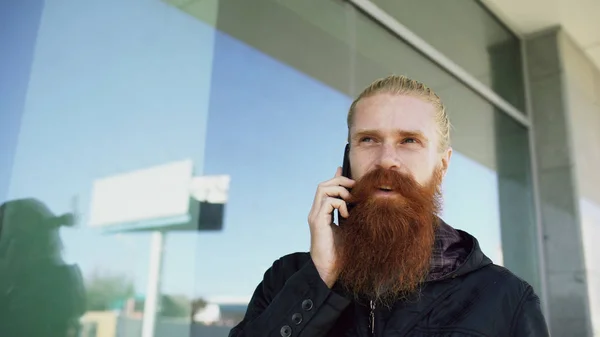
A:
[394, 112]
[399, 101]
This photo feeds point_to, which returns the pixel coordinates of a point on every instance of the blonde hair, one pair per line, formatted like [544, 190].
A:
[402, 85]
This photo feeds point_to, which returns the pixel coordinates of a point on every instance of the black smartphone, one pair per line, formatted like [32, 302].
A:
[346, 163]
[346, 173]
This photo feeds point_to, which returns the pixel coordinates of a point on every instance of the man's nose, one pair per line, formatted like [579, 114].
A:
[388, 157]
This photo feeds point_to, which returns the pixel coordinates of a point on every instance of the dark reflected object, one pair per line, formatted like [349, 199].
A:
[40, 295]
[211, 216]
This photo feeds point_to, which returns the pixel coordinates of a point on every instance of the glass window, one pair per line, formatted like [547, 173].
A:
[515, 190]
[174, 153]
[112, 130]
[468, 34]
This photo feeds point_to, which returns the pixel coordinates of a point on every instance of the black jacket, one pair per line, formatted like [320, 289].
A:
[477, 299]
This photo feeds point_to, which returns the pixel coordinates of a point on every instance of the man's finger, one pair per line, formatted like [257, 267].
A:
[338, 172]
[337, 192]
[330, 204]
[338, 181]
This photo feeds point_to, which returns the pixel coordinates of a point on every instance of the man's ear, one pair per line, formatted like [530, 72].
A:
[446, 155]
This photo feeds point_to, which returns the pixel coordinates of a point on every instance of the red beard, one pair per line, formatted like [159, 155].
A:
[387, 241]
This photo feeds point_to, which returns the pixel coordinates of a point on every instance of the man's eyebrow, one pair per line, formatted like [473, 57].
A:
[363, 133]
[403, 133]
[411, 133]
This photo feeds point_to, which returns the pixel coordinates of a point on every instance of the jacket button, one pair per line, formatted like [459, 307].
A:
[307, 305]
[297, 318]
[286, 331]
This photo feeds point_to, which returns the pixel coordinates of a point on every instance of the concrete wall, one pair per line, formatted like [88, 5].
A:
[566, 120]
[582, 91]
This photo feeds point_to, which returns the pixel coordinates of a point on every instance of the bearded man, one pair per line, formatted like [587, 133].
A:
[392, 267]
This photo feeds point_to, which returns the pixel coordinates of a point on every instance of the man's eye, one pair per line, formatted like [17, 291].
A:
[366, 139]
[409, 140]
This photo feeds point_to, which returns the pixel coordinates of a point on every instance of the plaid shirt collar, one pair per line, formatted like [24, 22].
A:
[449, 252]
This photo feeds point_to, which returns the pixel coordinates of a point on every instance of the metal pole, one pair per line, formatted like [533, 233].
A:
[153, 287]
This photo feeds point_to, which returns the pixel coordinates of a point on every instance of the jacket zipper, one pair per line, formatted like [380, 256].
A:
[372, 318]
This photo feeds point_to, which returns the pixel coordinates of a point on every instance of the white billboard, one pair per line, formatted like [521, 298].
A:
[164, 197]
[149, 197]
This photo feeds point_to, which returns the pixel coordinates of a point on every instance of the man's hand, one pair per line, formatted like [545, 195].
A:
[322, 228]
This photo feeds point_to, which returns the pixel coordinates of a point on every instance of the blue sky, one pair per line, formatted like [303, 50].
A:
[22, 20]
[114, 91]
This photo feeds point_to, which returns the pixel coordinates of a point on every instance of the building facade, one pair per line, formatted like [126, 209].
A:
[258, 91]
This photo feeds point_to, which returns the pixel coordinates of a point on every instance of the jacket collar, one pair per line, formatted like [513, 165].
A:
[455, 253]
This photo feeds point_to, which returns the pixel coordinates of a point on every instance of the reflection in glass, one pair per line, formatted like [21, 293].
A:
[519, 232]
[104, 100]
[36, 284]
[20, 21]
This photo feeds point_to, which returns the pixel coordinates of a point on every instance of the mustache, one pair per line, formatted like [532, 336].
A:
[386, 180]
